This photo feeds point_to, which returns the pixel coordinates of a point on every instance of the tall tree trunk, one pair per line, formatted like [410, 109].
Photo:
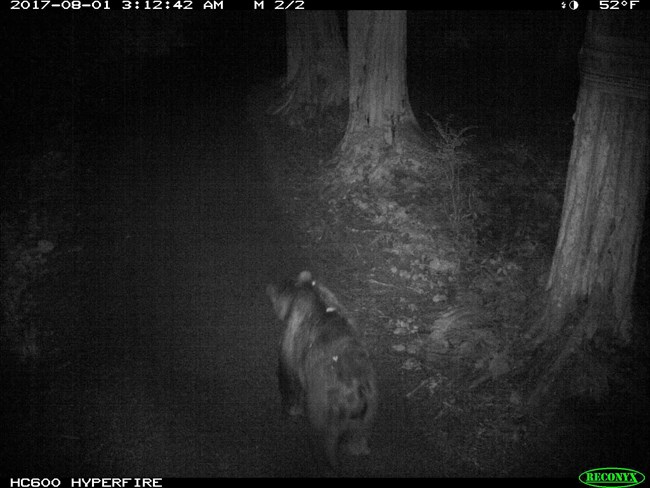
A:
[317, 75]
[380, 111]
[378, 93]
[591, 281]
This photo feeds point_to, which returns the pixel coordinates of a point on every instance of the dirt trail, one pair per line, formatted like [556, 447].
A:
[174, 373]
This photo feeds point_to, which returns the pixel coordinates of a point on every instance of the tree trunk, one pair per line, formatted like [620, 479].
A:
[591, 281]
[380, 112]
[378, 92]
[316, 64]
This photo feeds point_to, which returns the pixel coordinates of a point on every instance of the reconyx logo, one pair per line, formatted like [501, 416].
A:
[612, 477]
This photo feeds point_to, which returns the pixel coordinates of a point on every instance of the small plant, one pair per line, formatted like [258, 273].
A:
[462, 195]
[30, 249]
[22, 268]
[452, 139]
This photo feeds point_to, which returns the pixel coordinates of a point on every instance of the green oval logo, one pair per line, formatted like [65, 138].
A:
[611, 477]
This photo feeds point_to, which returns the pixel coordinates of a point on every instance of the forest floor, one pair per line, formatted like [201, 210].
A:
[149, 347]
[453, 336]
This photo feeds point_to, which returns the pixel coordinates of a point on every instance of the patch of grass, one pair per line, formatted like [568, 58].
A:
[461, 203]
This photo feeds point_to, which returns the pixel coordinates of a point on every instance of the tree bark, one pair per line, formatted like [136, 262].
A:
[378, 92]
[591, 282]
[380, 112]
[317, 75]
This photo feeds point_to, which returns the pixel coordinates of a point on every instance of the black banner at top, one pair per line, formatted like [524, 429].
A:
[568, 6]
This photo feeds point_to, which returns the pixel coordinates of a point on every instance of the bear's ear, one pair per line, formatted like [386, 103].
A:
[281, 301]
[272, 292]
[305, 277]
